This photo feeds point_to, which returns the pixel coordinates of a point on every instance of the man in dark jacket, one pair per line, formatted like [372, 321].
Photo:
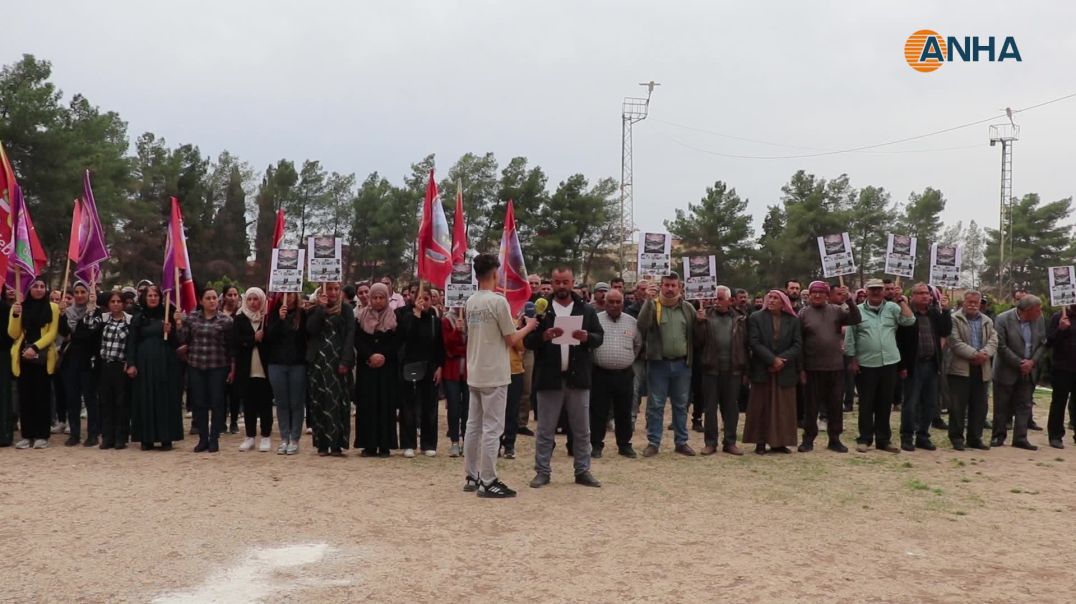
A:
[562, 377]
[1060, 337]
[721, 357]
[920, 365]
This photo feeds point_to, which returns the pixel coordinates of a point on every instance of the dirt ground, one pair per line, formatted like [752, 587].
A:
[83, 525]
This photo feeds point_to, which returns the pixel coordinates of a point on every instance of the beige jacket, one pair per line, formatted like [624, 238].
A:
[960, 344]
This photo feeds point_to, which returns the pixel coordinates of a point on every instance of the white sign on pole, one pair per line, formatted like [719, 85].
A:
[700, 277]
[326, 259]
[286, 273]
[900, 256]
[836, 253]
[655, 250]
[945, 261]
[1062, 285]
[461, 285]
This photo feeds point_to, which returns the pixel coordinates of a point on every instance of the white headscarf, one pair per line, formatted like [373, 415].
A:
[255, 317]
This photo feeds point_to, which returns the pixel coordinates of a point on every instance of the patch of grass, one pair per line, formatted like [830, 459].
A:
[918, 485]
[965, 479]
[936, 491]
[906, 464]
[1017, 491]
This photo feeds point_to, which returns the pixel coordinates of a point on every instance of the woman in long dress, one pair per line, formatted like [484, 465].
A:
[376, 351]
[330, 356]
[775, 340]
[156, 405]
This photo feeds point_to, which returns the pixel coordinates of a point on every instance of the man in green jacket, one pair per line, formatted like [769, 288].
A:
[667, 323]
[872, 346]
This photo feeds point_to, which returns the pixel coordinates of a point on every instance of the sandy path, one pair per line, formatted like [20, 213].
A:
[92, 526]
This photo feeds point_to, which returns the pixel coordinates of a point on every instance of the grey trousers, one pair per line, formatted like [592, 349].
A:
[485, 424]
[1009, 400]
[577, 404]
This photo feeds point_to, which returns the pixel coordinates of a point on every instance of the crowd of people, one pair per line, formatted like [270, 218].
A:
[129, 364]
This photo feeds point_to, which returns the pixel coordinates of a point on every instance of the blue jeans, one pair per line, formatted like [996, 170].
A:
[920, 398]
[206, 391]
[667, 380]
[289, 391]
[457, 399]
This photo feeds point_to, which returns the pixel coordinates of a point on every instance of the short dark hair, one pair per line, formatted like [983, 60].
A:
[787, 281]
[349, 290]
[887, 281]
[563, 269]
[619, 280]
[671, 275]
[547, 282]
[740, 290]
[483, 264]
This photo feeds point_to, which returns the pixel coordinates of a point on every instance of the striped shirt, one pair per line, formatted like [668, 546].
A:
[621, 344]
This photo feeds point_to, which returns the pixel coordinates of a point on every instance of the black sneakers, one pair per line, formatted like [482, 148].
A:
[495, 490]
[470, 484]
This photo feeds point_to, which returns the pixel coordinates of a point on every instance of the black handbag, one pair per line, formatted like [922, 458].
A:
[414, 372]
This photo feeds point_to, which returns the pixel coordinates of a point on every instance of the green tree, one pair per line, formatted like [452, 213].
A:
[869, 216]
[1041, 238]
[720, 225]
[526, 187]
[921, 218]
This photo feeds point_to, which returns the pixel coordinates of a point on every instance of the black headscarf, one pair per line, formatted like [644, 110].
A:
[36, 314]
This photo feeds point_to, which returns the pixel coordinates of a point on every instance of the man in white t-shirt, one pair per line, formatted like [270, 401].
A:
[490, 332]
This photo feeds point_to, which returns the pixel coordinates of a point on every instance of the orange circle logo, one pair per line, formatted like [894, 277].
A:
[913, 50]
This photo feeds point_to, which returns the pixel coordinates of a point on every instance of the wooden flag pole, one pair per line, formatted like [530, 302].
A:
[840, 279]
[18, 284]
[67, 275]
[175, 285]
[167, 307]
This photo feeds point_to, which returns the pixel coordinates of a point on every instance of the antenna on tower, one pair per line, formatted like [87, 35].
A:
[1006, 134]
[634, 109]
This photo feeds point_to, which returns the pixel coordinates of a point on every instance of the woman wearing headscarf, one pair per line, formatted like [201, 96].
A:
[251, 384]
[285, 346]
[775, 341]
[376, 349]
[422, 353]
[152, 364]
[330, 356]
[76, 368]
[33, 325]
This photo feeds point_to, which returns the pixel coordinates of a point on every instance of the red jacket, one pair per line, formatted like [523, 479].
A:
[455, 367]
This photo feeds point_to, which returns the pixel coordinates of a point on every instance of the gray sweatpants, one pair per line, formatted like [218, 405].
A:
[485, 423]
[577, 404]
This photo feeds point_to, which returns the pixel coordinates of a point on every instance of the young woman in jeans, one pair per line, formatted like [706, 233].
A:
[454, 376]
[285, 346]
[208, 339]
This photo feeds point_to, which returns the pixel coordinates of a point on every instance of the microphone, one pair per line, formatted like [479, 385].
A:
[540, 306]
[529, 309]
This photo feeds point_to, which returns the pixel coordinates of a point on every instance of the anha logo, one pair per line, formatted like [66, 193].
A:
[926, 49]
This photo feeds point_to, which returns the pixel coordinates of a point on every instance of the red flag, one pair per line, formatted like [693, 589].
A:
[73, 244]
[434, 240]
[459, 232]
[7, 197]
[512, 274]
[278, 230]
[176, 261]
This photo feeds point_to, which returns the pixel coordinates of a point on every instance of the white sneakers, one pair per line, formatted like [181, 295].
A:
[283, 448]
[293, 448]
[409, 453]
[248, 444]
[58, 428]
[430, 453]
[454, 450]
[265, 445]
[41, 444]
[23, 444]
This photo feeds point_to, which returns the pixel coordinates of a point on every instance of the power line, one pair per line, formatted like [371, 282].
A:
[822, 153]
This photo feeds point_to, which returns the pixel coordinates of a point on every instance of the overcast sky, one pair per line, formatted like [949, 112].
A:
[366, 86]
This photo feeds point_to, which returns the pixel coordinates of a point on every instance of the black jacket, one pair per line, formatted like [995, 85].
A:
[243, 334]
[1063, 343]
[285, 343]
[420, 338]
[547, 374]
[908, 339]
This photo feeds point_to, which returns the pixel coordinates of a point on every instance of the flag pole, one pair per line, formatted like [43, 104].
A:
[167, 307]
[175, 284]
[18, 284]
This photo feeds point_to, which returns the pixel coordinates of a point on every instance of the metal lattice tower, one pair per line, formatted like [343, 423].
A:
[634, 110]
[1005, 134]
